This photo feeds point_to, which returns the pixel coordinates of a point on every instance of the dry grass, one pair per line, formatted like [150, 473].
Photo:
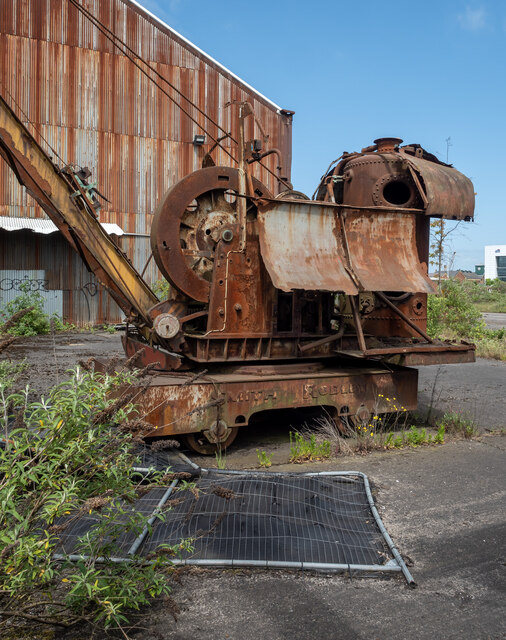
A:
[379, 432]
[491, 348]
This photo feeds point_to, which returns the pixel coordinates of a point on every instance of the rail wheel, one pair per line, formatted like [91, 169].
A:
[200, 444]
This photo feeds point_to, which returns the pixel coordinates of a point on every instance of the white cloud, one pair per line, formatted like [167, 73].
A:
[473, 19]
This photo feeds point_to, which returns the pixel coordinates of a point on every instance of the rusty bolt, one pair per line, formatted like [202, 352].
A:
[221, 311]
[237, 307]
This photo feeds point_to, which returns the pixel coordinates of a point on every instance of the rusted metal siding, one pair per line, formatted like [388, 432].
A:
[96, 109]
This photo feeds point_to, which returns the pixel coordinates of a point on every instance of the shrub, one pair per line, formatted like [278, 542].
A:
[68, 455]
[162, 289]
[452, 313]
[456, 313]
[35, 321]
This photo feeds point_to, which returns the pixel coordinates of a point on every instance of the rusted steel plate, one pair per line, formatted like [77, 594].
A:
[150, 355]
[422, 348]
[304, 247]
[449, 193]
[446, 357]
[299, 244]
[426, 354]
[176, 408]
[383, 252]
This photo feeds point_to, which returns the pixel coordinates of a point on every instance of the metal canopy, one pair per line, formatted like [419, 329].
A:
[310, 246]
[39, 225]
[448, 192]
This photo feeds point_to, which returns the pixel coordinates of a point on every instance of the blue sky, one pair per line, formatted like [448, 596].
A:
[356, 71]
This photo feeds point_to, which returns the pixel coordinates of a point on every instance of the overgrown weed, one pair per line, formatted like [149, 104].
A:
[61, 457]
[308, 449]
[361, 439]
[221, 458]
[264, 460]
[458, 424]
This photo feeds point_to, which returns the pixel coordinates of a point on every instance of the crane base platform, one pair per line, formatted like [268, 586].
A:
[209, 406]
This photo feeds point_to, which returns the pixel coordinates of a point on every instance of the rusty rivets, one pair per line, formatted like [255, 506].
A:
[221, 311]
[237, 307]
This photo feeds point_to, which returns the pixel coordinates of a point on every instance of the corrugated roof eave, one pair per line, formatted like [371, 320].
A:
[202, 53]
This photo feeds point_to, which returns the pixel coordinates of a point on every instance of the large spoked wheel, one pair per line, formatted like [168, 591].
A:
[194, 215]
[200, 444]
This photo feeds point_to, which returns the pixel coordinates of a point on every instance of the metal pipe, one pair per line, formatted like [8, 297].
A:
[140, 538]
[187, 460]
[214, 562]
[322, 341]
[292, 474]
[137, 235]
[388, 539]
[358, 324]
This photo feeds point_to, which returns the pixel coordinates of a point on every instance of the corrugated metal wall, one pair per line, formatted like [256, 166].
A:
[97, 110]
[14, 282]
[79, 294]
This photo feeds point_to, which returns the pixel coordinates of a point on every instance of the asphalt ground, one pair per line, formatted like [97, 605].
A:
[495, 320]
[443, 506]
[445, 509]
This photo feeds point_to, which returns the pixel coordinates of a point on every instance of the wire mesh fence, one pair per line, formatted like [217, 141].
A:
[322, 521]
[285, 519]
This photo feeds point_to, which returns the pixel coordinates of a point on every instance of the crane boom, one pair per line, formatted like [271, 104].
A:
[65, 200]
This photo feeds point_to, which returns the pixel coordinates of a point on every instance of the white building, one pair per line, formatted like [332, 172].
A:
[495, 262]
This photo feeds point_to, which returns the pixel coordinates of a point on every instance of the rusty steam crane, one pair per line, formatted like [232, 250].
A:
[277, 301]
